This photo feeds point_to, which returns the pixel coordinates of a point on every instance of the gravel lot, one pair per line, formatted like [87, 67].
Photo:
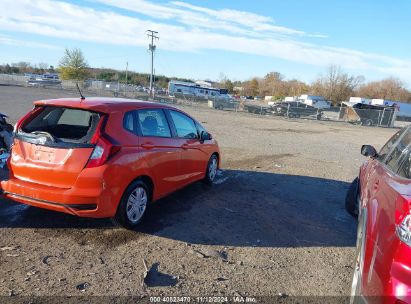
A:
[273, 223]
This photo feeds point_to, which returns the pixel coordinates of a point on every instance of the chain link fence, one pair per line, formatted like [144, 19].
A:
[385, 117]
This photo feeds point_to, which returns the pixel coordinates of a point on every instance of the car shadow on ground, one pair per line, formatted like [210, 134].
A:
[243, 208]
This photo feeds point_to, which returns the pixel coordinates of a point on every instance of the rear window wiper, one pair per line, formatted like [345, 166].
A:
[47, 134]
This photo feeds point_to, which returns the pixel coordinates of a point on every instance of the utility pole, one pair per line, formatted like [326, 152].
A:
[152, 34]
[126, 77]
[126, 71]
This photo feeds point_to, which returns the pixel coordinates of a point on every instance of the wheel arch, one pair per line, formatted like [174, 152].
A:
[146, 179]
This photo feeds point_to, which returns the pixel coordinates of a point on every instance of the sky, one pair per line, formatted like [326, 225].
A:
[239, 39]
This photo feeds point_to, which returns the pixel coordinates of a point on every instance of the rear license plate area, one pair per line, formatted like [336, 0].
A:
[43, 154]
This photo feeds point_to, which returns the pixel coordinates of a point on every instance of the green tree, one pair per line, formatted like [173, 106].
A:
[73, 65]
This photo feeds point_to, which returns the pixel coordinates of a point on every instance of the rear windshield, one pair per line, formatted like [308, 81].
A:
[61, 124]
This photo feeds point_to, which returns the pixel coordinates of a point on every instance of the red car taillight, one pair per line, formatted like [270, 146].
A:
[404, 230]
[104, 148]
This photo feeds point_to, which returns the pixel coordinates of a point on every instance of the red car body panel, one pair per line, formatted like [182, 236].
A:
[59, 179]
[386, 275]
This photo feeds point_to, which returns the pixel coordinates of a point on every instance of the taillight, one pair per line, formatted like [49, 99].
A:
[404, 230]
[103, 150]
[99, 130]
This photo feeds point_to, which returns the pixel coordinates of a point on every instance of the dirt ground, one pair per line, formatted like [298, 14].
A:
[273, 223]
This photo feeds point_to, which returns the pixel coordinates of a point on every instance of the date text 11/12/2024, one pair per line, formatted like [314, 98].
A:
[217, 299]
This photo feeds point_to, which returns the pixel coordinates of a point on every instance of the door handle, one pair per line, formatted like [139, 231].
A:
[185, 146]
[147, 146]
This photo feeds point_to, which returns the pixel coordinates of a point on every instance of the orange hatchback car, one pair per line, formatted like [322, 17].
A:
[99, 157]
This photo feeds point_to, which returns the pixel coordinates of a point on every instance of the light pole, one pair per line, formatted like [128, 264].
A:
[152, 34]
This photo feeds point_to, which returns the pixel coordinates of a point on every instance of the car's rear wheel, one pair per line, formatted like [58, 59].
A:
[352, 198]
[211, 171]
[133, 205]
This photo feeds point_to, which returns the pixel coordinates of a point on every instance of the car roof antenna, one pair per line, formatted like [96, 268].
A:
[81, 95]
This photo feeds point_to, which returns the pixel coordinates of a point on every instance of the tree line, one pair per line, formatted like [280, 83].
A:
[334, 84]
[74, 66]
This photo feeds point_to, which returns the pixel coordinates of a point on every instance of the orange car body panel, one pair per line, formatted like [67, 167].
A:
[58, 179]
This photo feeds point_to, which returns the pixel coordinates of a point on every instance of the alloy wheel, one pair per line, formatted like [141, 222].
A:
[212, 170]
[136, 204]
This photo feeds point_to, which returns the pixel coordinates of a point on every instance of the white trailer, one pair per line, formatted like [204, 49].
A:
[291, 98]
[318, 102]
[196, 90]
[404, 109]
[360, 100]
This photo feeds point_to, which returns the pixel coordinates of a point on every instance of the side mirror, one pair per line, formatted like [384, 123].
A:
[204, 136]
[369, 151]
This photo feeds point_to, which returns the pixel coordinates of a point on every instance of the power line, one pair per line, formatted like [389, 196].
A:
[152, 34]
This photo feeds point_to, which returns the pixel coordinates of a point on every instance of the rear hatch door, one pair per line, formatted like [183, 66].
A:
[53, 145]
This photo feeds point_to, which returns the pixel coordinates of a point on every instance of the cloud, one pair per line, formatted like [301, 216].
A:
[186, 28]
[233, 21]
[6, 40]
[241, 18]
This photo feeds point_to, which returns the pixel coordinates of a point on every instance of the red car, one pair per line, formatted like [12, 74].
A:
[99, 157]
[381, 197]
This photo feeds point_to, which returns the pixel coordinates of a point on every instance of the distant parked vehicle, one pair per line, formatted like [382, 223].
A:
[295, 109]
[222, 104]
[373, 115]
[257, 108]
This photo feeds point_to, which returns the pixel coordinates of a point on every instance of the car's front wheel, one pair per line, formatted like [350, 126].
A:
[352, 198]
[133, 205]
[211, 171]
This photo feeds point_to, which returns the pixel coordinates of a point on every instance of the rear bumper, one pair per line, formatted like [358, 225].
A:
[97, 203]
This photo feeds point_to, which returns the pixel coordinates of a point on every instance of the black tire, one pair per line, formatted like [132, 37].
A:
[209, 177]
[121, 218]
[367, 123]
[351, 198]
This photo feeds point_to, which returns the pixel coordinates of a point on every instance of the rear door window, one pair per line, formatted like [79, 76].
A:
[389, 146]
[185, 126]
[405, 166]
[128, 122]
[153, 122]
[399, 150]
[63, 124]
